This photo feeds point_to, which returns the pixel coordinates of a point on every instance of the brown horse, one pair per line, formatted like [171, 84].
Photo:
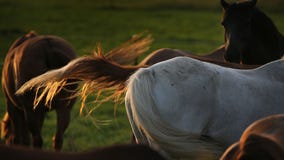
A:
[262, 140]
[168, 53]
[116, 152]
[32, 55]
[28, 57]
[251, 37]
[216, 57]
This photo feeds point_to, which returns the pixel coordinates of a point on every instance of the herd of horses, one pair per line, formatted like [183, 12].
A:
[226, 104]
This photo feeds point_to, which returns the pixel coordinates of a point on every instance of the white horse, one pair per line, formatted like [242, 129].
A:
[188, 108]
[184, 107]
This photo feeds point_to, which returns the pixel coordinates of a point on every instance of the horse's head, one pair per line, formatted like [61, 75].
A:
[237, 20]
[254, 147]
[22, 39]
[262, 140]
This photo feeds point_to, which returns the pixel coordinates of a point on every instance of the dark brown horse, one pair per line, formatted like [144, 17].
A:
[250, 36]
[28, 57]
[116, 152]
[262, 140]
[168, 53]
[32, 55]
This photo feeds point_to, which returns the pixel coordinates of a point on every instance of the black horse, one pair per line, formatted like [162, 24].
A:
[28, 57]
[250, 36]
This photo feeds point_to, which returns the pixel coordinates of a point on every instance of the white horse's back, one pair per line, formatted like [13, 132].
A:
[174, 104]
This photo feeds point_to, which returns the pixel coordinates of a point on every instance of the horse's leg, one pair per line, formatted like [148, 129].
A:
[35, 120]
[6, 127]
[63, 119]
[18, 129]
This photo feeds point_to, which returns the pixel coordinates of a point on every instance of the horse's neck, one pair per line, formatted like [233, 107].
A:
[265, 31]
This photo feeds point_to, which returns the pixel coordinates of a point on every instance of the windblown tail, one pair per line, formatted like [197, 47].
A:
[148, 124]
[127, 52]
[98, 72]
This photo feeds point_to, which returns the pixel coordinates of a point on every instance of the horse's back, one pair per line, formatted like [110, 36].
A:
[272, 69]
[162, 55]
[186, 81]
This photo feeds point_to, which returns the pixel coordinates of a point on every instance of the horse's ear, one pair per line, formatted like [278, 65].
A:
[31, 34]
[232, 152]
[261, 147]
[224, 4]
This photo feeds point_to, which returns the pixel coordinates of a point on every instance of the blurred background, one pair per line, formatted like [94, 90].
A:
[189, 25]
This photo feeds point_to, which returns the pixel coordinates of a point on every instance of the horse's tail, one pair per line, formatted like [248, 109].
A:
[97, 72]
[148, 124]
[128, 52]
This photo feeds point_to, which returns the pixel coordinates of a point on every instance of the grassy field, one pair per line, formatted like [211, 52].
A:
[185, 24]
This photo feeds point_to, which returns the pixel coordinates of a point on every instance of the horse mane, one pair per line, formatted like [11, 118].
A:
[141, 102]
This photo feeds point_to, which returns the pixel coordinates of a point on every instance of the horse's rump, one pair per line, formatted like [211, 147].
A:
[33, 57]
[143, 104]
[28, 57]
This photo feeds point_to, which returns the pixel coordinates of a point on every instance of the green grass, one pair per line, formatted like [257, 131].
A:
[185, 24]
